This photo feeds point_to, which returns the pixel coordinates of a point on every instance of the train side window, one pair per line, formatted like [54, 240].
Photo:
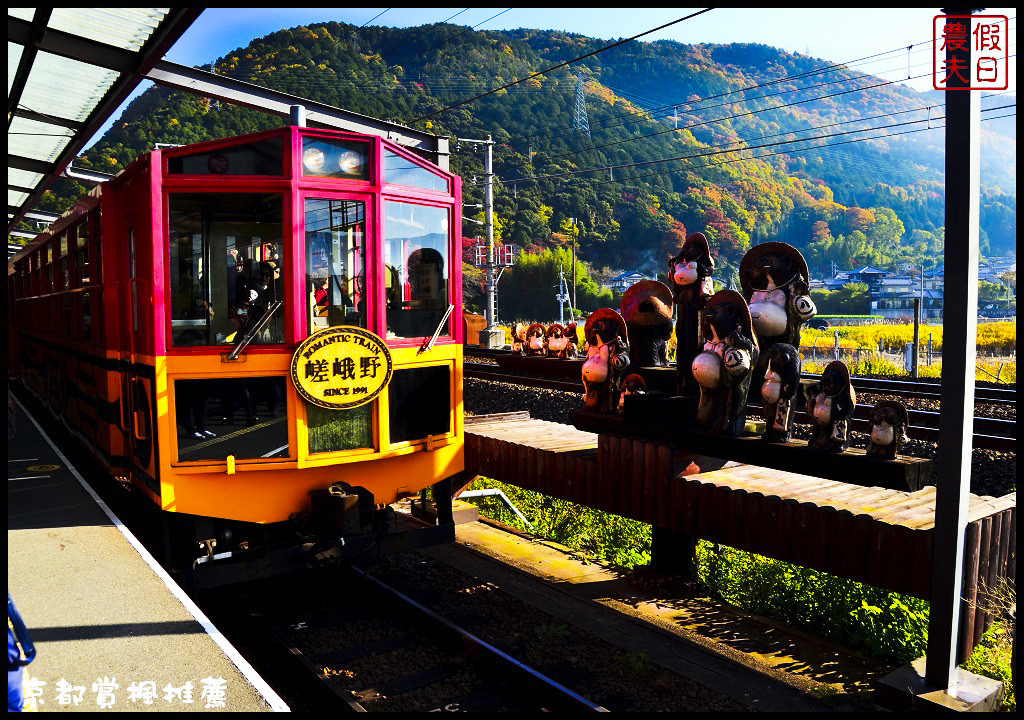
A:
[83, 266]
[335, 263]
[242, 416]
[226, 268]
[402, 171]
[417, 267]
[86, 316]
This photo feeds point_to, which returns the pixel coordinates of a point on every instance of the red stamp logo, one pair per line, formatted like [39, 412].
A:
[970, 52]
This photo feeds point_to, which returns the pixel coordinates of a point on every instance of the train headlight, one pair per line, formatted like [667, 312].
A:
[313, 160]
[350, 162]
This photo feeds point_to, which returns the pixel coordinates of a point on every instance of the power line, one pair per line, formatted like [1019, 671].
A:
[562, 64]
[781, 152]
[721, 151]
[809, 73]
[752, 112]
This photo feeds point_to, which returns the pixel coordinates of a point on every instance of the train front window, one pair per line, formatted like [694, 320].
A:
[226, 268]
[263, 157]
[242, 416]
[335, 263]
[416, 269]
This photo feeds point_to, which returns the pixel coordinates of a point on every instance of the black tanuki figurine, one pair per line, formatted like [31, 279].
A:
[689, 276]
[723, 368]
[632, 384]
[606, 362]
[774, 278]
[779, 390]
[830, 403]
[889, 422]
[647, 310]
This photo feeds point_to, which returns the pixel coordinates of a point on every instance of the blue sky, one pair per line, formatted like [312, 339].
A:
[833, 34]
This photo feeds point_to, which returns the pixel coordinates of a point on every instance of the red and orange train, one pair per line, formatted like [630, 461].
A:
[159, 321]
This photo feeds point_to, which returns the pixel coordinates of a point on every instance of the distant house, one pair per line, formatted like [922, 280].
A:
[892, 294]
[625, 280]
[995, 269]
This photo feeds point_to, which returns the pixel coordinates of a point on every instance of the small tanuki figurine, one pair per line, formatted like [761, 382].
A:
[558, 341]
[518, 338]
[830, 403]
[889, 422]
[533, 346]
[647, 310]
[572, 347]
[723, 368]
[774, 278]
[689, 276]
[607, 360]
[632, 384]
[781, 383]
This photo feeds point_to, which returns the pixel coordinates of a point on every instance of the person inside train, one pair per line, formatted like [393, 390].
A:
[262, 293]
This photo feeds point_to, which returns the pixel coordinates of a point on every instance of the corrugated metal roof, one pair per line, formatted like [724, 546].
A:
[68, 70]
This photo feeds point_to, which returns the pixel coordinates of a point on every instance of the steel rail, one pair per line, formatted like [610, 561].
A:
[989, 433]
[568, 699]
[903, 388]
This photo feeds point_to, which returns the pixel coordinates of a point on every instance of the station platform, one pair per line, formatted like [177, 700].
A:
[112, 630]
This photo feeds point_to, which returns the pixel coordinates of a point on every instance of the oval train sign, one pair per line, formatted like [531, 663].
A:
[341, 368]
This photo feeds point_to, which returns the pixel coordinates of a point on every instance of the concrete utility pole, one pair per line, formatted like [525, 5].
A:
[492, 336]
[575, 244]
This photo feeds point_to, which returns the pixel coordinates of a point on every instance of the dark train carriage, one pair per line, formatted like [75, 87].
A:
[159, 319]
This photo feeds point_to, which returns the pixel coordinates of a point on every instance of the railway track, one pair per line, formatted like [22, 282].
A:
[364, 646]
[990, 433]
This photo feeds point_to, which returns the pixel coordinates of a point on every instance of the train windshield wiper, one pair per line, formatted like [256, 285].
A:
[254, 328]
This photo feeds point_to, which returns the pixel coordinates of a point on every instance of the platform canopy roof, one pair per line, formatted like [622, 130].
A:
[68, 70]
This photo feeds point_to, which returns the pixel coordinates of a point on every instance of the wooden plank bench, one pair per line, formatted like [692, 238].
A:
[878, 536]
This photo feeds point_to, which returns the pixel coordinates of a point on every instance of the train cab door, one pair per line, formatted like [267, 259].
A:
[137, 376]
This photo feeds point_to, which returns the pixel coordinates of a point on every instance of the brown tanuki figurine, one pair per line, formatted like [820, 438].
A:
[689, 276]
[533, 346]
[647, 310]
[778, 392]
[889, 422]
[606, 362]
[557, 341]
[774, 278]
[631, 385]
[723, 368]
[830, 403]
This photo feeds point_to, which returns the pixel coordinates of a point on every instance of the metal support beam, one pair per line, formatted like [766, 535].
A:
[32, 32]
[177, 21]
[274, 102]
[959, 354]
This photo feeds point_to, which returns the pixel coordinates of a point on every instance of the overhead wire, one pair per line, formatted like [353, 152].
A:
[721, 151]
[560, 65]
[634, 178]
[876, 57]
[740, 115]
